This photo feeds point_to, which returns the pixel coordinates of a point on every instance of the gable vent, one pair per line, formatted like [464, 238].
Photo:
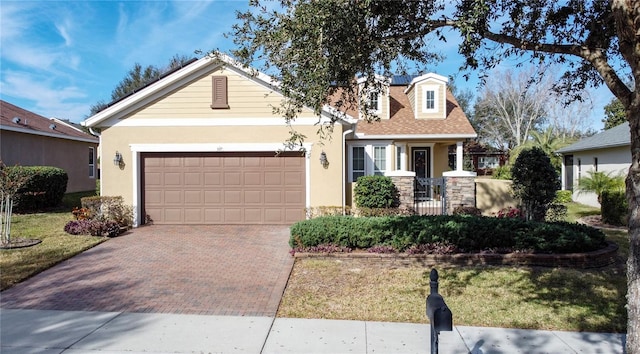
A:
[219, 92]
[16, 120]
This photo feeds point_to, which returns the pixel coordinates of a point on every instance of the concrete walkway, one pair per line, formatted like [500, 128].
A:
[71, 332]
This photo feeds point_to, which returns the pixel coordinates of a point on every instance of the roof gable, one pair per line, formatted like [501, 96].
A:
[20, 120]
[617, 136]
[180, 79]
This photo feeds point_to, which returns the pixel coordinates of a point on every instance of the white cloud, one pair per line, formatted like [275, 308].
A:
[64, 33]
[50, 98]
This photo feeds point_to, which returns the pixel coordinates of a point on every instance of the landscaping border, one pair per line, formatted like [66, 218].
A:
[595, 259]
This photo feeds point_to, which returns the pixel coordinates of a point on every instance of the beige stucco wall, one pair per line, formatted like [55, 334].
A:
[183, 120]
[35, 150]
[492, 195]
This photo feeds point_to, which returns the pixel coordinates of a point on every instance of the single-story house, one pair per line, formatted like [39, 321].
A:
[29, 139]
[608, 151]
[199, 145]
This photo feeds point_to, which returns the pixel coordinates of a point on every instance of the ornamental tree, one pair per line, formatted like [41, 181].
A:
[316, 48]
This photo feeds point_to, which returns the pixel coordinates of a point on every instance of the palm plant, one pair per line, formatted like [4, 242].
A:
[598, 182]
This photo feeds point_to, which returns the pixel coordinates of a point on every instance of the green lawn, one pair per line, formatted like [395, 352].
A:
[517, 297]
[56, 246]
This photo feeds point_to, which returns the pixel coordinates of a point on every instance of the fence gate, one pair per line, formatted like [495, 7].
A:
[430, 196]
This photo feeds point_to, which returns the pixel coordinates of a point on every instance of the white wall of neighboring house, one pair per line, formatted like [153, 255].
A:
[615, 160]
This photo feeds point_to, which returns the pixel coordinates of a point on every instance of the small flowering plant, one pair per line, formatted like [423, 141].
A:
[510, 212]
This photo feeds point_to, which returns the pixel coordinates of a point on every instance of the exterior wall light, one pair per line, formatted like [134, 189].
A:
[323, 159]
[117, 160]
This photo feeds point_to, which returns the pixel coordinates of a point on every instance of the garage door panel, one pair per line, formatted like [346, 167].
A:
[218, 188]
[232, 197]
[172, 179]
[212, 197]
[233, 215]
[192, 179]
[172, 197]
[193, 215]
[253, 197]
[213, 178]
[193, 197]
[232, 179]
[253, 178]
[273, 178]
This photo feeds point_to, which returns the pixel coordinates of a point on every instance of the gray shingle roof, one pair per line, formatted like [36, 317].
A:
[614, 137]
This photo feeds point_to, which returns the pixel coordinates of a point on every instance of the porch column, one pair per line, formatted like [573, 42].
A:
[459, 157]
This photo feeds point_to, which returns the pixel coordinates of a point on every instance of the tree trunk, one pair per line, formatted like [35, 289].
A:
[633, 263]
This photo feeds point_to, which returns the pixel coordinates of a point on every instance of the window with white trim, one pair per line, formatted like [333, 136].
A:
[488, 162]
[357, 162]
[374, 101]
[92, 165]
[399, 157]
[429, 99]
[379, 160]
[367, 160]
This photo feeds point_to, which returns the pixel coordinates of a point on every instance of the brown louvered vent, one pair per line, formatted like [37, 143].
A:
[219, 92]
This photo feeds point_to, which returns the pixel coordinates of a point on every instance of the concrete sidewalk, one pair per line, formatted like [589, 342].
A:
[49, 332]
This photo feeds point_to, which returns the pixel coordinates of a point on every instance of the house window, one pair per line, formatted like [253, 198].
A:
[430, 99]
[485, 162]
[357, 162]
[379, 160]
[399, 158]
[374, 101]
[367, 160]
[595, 163]
[92, 165]
[579, 168]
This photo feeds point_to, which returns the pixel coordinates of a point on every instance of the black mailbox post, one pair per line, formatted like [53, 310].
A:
[438, 312]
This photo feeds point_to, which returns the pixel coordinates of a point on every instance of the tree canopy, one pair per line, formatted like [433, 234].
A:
[137, 77]
[316, 48]
[614, 114]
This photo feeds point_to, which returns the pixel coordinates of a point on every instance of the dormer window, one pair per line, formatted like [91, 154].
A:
[374, 101]
[429, 99]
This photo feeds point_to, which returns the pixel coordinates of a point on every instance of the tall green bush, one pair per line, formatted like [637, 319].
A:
[43, 188]
[535, 182]
[376, 192]
[614, 207]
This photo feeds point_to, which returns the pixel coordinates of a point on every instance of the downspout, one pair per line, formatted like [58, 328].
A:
[94, 133]
[344, 176]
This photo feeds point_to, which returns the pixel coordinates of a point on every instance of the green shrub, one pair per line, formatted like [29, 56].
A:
[563, 197]
[502, 172]
[375, 192]
[43, 188]
[556, 212]
[535, 182]
[614, 208]
[468, 233]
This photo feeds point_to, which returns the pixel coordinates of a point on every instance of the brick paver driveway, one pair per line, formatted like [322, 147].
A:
[215, 270]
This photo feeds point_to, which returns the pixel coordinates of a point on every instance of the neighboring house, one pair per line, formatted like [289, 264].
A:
[199, 146]
[484, 159]
[608, 151]
[29, 139]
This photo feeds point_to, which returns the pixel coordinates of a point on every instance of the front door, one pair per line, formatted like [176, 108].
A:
[422, 161]
[421, 157]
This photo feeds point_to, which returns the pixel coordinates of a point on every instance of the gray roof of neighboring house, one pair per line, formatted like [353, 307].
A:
[617, 136]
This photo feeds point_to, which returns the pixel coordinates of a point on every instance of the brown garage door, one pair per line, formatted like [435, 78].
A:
[224, 188]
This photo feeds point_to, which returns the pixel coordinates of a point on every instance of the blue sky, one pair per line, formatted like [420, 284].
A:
[57, 58]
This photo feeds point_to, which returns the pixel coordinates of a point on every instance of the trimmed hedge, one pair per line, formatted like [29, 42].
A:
[44, 187]
[468, 233]
[614, 208]
[375, 192]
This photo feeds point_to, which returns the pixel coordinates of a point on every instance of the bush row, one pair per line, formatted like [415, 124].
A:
[44, 187]
[468, 233]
